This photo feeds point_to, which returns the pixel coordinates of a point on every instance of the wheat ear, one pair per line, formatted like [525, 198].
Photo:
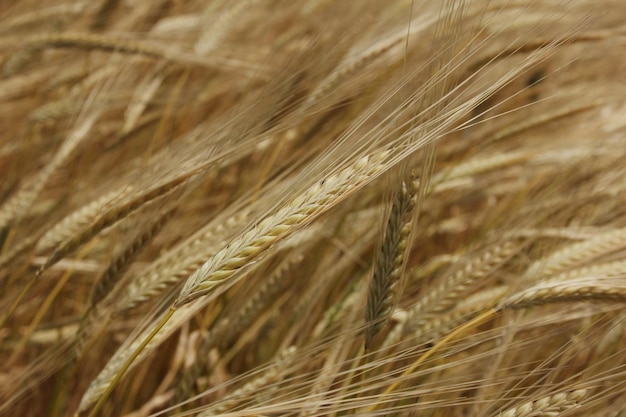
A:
[390, 263]
[578, 253]
[443, 296]
[77, 220]
[580, 290]
[120, 264]
[584, 289]
[227, 262]
[449, 292]
[275, 227]
[550, 406]
[109, 218]
[179, 262]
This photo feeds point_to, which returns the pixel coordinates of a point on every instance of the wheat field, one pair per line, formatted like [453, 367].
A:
[313, 208]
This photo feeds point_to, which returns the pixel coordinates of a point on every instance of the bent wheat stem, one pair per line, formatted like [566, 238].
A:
[129, 362]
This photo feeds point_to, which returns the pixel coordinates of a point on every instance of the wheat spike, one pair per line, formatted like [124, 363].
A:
[120, 264]
[550, 406]
[77, 220]
[390, 262]
[448, 292]
[584, 289]
[272, 229]
[110, 217]
[579, 252]
[178, 263]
